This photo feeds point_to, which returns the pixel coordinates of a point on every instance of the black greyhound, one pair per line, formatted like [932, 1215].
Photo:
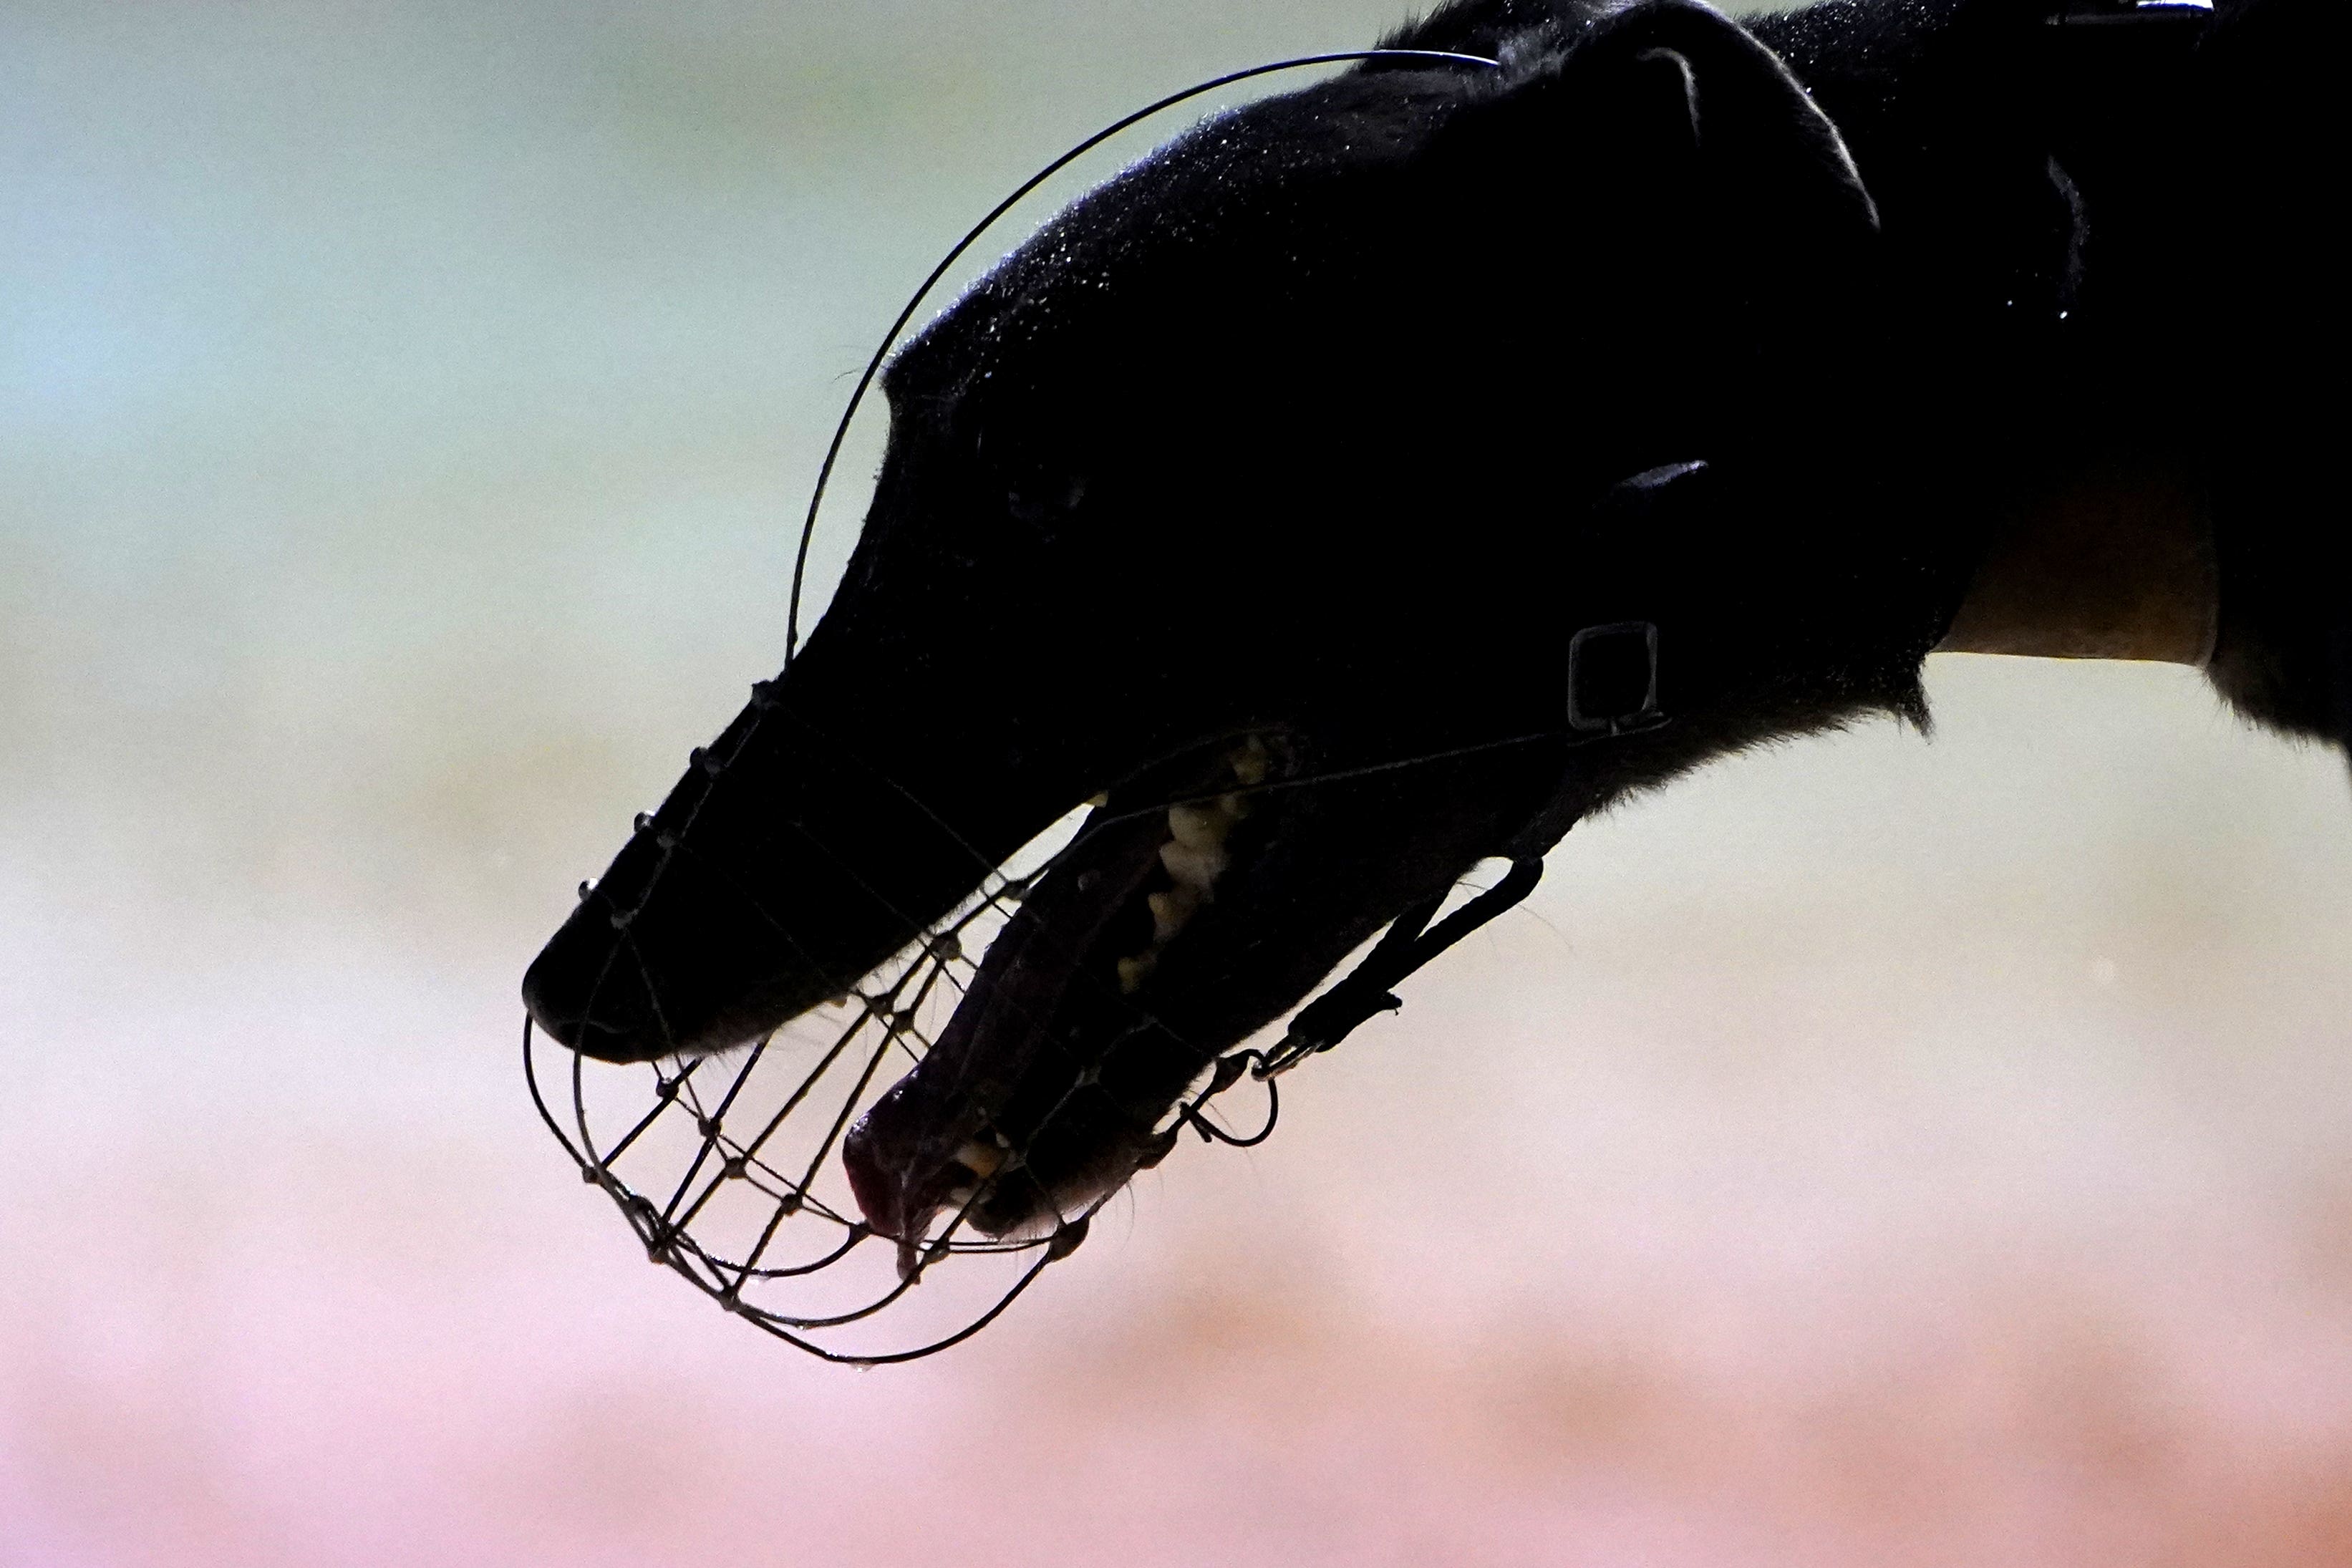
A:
[1384, 475]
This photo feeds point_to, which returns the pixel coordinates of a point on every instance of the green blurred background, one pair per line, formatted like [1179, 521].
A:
[1877, 1150]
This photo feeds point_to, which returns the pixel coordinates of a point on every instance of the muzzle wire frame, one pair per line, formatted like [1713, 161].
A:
[728, 1168]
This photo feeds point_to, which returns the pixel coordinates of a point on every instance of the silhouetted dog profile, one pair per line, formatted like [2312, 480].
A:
[1789, 351]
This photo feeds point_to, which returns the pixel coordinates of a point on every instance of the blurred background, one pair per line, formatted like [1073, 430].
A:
[1877, 1151]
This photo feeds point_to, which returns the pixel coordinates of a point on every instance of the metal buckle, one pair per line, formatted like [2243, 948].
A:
[1616, 640]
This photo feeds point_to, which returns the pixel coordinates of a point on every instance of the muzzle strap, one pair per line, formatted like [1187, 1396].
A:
[1411, 943]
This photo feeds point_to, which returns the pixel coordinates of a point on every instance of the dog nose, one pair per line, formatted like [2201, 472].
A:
[592, 997]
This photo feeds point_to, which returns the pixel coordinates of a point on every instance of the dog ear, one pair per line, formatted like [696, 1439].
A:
[1677, 110]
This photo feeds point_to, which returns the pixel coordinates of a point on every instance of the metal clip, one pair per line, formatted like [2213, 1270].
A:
[1598, 658]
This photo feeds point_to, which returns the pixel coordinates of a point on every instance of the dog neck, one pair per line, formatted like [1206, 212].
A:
[2112, 562]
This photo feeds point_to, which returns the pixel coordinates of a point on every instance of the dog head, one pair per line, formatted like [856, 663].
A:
[1261, 493]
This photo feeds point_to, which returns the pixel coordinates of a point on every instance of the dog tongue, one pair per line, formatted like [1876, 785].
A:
[917, 1146]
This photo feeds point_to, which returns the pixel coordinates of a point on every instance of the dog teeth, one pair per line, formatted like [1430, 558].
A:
[1194, 868]
[983, 1160]
[1198, 826]
[1194, 858]
[1170, 910]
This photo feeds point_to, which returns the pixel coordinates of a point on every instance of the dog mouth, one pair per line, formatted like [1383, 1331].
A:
[1047, 1087]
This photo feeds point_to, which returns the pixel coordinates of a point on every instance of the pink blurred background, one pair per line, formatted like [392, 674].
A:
[1879, 1151]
